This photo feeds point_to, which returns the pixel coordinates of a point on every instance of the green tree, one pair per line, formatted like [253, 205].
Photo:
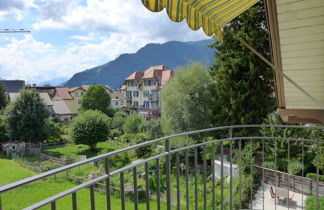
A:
[27, 117]
[187, 100]
[134, 124]
[3, 129]
[90, 127]
[96, 98]
[53, 130]
[243, 86]
[154, 128]
[3, 97]
[119, 119]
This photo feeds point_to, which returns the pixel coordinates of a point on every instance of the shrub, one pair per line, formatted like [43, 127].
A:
[154, 128]
[53, 131]
[294, 166]
[311, 202]
[314, 176]
[90, 127]
[134, 124]
[145, 151]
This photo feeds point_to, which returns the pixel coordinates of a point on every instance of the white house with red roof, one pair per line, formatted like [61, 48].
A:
[143, 88]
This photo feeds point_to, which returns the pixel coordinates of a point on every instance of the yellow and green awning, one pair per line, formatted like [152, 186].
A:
[211, 15]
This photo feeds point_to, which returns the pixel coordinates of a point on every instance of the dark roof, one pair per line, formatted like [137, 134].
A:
[13, 86]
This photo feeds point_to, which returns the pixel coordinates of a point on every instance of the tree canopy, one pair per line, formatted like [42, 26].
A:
[27, 117]
[244, 84]
[187, 100]
[134, 124]
[3, 97]
[96, 98]
[90, 127]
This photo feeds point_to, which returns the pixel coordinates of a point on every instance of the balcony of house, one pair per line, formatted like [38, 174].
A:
[231, 167]
[153, 97]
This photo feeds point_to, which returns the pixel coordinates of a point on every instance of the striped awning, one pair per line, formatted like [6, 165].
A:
[211, 15]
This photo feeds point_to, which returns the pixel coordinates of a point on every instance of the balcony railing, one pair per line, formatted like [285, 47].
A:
[188, 167]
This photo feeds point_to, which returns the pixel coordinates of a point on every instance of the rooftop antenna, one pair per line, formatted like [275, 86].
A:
[7, 31]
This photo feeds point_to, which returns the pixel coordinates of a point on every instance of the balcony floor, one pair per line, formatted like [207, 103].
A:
[269, 203]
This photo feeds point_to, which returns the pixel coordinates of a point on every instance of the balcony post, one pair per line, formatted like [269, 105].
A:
[231, 168]
[107, 184]
[0, 203]
[168, 173]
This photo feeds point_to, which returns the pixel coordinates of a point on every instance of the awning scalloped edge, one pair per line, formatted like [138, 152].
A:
[210, 15]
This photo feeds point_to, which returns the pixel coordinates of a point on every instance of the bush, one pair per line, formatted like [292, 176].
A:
[90, 127]
[119, 119]
[134, 124]
[294, 166]
[145, 151]
[314, 176]
[311, 202]
[154, 128]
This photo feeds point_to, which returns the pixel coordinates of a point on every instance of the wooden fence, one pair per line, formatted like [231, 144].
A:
[63, 161]
[295, 183]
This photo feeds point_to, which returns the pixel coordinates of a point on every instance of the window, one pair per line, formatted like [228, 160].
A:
[78, 110]
[146, 104]
[81, 93]
[79, 101]
[154, 83]
[146, 93]
[129, 94]
[135, 93]
[116, 103]
[148, 83]
[135, 103]
[131, 84]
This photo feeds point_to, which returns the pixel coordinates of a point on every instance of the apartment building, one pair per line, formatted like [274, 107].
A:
[143, 88]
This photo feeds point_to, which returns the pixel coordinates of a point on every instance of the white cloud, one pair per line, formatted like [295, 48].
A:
[32, 60]
[16, 7]
[89, 37]
[128, 18]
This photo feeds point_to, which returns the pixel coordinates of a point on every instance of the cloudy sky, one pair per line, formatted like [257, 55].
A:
[68, 36]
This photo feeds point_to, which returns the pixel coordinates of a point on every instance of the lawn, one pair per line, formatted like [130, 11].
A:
[11, 171]
[73, 150]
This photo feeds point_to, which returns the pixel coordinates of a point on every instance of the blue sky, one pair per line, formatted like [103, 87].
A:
[68, 36]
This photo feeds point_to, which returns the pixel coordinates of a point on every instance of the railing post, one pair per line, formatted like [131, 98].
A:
[74, 201]
[168, 173]
[222, 176]
[0, 203]
[317, 171]
[108, 192]
[231, 168]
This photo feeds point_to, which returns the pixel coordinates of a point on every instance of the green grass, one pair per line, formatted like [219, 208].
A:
[27, 195]
[73, 150]
[11, 171]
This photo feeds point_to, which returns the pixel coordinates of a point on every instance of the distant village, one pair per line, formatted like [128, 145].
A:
[140, 92]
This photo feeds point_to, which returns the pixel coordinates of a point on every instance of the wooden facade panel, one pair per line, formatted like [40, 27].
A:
[301, 53]
[303, 60]
[303, 31]
[304, 22]
[306, 38]
[303, 46]
[301, 14]
[284, 6]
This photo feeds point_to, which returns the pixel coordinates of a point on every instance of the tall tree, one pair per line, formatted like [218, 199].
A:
[187, 100]
[27, 117]
[96, 98]
[90, 127]
[243, 83]
[3, 97]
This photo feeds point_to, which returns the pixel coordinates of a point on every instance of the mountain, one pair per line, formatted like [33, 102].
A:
[170, 54]
[54, 82]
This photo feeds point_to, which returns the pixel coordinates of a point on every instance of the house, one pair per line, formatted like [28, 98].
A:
[143, 88]
[12, 149]
[71, 97]
[118, 99]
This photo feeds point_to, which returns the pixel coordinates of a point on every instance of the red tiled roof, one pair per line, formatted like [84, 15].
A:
[63, 93]
[135, 75]
[166, 75]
